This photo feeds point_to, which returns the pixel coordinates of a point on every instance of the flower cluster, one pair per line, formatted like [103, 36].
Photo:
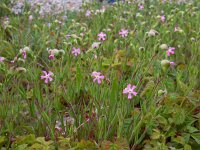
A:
[18, 7]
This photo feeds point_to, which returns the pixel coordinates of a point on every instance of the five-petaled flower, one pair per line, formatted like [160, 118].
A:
[170, 51]
[123, 32]
[130, 90]
[76, 51]
[97, 77]
[101, 36]
[47, 77]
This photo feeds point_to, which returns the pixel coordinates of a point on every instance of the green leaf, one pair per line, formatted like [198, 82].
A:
[179, 139]
[22, 147]
[46, 117]
[2, 140]
[107, 145]
[161, 120]
[38, 146]
[156, 134]
[113, 94]
[148, 89]
[196, 137]
[28, 139]
[192, 129]
[178, 116]
[86, 145]
[186, 137]
[64, 142]
[42, 141]
[122, 144]
[187, 147]
[79, 77]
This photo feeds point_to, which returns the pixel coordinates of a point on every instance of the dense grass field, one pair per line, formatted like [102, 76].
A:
[121, 76]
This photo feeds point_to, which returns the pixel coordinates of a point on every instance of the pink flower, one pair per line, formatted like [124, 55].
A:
[2, 59]
[30, 18]
[68, 36]
[123, 32]
[141, 7]
[24, 54]
[95, 56]
[172, 63]
[52, 53]
[175, 29]
[162, 18]
[170, 51]
[101, 36]
[97, 77]
[76, 51]
[130, 91]
[51, 57]
[88, 13]
[95, 45]
[47, 76]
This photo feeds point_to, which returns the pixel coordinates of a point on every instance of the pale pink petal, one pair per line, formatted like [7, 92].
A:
[135, 93]
[45, 73]
[46, 80]
[129, 96]
[50, 78]
[129, 86]
[42, 77]
[125, 91]
[94, 80]
[99, 81]
[50, 73]
[101, 77]
[133, 87]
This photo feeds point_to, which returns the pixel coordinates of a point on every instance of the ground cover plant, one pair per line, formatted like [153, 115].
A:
[121, 76]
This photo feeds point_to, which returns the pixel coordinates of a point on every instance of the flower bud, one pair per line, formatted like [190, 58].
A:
[162, 92]
[152, 32]
[163, 46]
[165, 64]
[20, 69]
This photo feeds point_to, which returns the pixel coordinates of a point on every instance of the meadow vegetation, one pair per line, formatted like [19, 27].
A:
[121, 76]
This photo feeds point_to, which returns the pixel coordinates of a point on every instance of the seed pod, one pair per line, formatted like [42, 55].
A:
[165, 64]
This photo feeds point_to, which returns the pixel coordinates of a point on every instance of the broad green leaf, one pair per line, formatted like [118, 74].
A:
[187, 147]
[156, 134]
[42, 140]
[28, 139]
[21, 147]
[179, 139]
[196, 137]
[2, 140]
[178, 116]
